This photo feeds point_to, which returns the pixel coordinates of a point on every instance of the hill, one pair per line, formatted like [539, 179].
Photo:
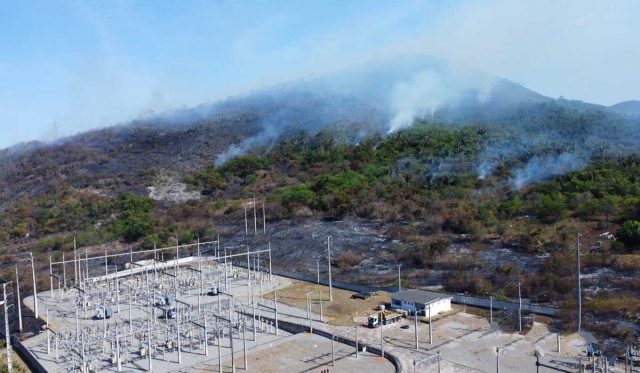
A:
[470, 181]
[627, 107]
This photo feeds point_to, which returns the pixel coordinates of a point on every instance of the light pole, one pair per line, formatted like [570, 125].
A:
[579, 293]
[415, 320]
[381, 341]
[321, 318]
[35, 293]
[19, 301]
[329, 260]
[333, 356]
[318, 268]
[498, 351]
[465, 301]
[519, 309]
[356, 331]
[430, 330]
[309, 310]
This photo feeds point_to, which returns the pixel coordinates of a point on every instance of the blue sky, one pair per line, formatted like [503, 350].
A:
[87, 64]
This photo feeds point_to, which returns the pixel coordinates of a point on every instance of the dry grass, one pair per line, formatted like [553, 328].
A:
[348, 260]
[626, 263]
[339, 312]
[16, 361]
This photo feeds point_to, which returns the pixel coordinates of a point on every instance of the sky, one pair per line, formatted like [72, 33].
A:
[69, 66]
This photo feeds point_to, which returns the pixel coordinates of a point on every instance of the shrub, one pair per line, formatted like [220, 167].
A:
[629, 234]
[348, 260]
[295, 196]
[186, 238]
[150, 240]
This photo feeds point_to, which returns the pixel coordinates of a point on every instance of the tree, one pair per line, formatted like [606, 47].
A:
[629, 234]
[295, 196]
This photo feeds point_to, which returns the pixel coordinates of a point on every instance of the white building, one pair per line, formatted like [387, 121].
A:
[420, 300]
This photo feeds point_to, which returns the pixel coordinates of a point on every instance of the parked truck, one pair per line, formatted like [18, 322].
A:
[384, 318]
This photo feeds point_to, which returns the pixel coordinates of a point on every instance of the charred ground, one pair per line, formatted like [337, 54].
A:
[472, 198]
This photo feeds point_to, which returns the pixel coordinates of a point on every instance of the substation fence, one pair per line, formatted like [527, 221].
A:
[455, 298]
[500, 305]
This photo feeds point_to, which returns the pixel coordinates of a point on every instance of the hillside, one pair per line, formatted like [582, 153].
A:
[631, 108]
[471, 182]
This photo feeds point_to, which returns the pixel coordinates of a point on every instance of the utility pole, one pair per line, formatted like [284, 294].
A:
[321, 318]
[248, 266]
[75, 261]
[399, 281]
[519, 309]
[149, 345]
[64, 273]
[233, 361]
[220, 332]
[246, 223]
[50, 276]
[255, 216]
[6, 328]
[329, 260]
[264, 220]
[275, 306]
[19, 301]
[244, 344]
[86, 262]
[35, 293]
[270, 276]
[579, 294]
[318, 268]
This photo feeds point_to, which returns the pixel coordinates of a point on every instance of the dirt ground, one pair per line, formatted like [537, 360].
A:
[341, 311]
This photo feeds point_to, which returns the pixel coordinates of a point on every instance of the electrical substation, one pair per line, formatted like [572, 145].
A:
[154, 310]
[212, 307]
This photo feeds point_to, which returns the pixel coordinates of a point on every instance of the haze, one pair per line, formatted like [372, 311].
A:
[70, 66]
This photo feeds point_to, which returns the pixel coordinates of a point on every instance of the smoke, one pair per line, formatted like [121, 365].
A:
[539, 168]
[384, 96]
[430, 90]
[485, 168]
[544, 156]
[270, 132]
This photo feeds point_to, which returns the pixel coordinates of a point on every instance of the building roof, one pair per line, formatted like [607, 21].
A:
[418, 296]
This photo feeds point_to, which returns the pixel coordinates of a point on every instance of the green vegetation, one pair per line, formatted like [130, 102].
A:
[629, 234]
[424, 181]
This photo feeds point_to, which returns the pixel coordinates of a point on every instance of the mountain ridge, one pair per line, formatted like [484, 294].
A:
[376, 99]
[631, 107]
